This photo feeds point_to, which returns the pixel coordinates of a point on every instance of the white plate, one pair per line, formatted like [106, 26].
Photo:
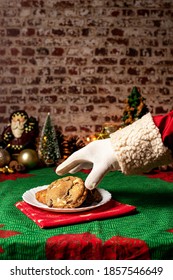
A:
[29, 197]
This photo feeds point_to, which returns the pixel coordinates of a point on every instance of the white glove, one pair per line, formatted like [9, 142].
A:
[98, 155]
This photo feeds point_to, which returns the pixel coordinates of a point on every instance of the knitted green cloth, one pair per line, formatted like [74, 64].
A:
[21, 238]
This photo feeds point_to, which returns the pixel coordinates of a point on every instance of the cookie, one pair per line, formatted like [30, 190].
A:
[93, 197]
[41, 196]
[67, 192]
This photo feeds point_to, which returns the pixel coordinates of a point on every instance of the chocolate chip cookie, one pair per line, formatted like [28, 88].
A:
[41, 196]
[67, 192]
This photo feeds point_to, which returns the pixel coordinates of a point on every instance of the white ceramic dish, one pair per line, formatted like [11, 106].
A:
[29, 197]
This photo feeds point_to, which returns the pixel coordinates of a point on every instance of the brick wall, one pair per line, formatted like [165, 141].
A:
[80, 59]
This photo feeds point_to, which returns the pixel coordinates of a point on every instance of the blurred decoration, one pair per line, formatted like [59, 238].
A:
[20, 134]
[48, 149]
[16, 166]
[28, 158]
[4, 157]
[107, 129]
[135, 107]
[24, 148]
[69, 144]
[6, 170]
[72, 144]
[90, 138]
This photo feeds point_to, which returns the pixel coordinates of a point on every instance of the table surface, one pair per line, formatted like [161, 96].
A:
[152, 223]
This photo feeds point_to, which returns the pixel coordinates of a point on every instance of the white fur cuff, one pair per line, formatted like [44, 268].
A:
[139, 147]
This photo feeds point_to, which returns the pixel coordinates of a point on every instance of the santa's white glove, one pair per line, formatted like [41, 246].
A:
[98, 155]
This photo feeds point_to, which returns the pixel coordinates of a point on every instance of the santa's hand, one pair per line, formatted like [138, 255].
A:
[98, 155]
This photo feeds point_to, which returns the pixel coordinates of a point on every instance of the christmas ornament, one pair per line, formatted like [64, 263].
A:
[4, 157]
[48, 149]
[28, 158]
[21, 132]
[135, 107]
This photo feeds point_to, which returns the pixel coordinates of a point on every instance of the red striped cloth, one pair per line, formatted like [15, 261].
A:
[47, 219]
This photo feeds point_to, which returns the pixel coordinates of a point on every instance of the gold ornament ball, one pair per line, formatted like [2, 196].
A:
[28, 158]
[4, 157]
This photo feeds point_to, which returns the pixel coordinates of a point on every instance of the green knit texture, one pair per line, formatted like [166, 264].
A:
[153, 199]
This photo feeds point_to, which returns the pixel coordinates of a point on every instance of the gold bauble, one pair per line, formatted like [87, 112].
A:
[29, 158]
[4, 157]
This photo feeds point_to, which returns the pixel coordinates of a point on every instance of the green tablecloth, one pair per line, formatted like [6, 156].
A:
[21, 238]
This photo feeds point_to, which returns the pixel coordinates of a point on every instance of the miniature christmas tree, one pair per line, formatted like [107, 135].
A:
[135, 107]
[48, 149]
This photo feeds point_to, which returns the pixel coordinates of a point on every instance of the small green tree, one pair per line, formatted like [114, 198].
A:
[49, 151]
[135, 107]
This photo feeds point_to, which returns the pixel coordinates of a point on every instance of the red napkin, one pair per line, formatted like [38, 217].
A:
[46, 219]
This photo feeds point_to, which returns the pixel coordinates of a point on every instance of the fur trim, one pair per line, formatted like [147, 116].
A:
[139, 147]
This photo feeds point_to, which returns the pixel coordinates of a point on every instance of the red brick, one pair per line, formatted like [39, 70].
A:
[128, 13]
[59, 32]
[169, 81]
[2, 32]
[74, 109]
[51, 99]
[160, 110]
[132, 52]
[43, 51]
[59, 110]
[86, 128]
[32, 90]
[74, 89]
[8, 80]
[28, 51]
[143, 12]
[133, 71]
[2, 52]
[13, 32]
[115, 13]
[15, 51]
[89, 108]
[80, 61]
[149, 71]
[85, 31]
[111, 99]
[119, 41]
[94, 118]
[97, 99]
[90, 90]
[15, 70]
[61, 70]
[103, 70]
[2, 109]
[101, 51]
[26, 3]
[105, 61]
[117, 32]
[73, 70]
[70, 128]
[58, 51]
[16, 91]
[164, 91]
[28, 32]
[44, 109]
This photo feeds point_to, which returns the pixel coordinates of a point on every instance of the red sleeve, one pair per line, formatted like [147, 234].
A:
[165, 126]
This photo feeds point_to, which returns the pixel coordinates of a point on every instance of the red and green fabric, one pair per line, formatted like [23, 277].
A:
[146, 233]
